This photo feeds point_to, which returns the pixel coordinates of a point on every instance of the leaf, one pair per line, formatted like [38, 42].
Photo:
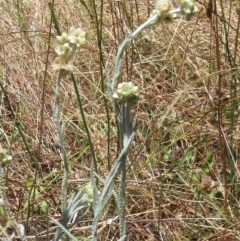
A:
[43, 208]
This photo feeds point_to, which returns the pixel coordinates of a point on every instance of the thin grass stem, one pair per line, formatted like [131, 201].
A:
[85, 123]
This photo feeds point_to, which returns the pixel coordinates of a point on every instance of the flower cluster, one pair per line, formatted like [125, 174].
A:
[187, 8]
[4, 157]
[88, 191]
[67, 44]
[126, 92]
[166, 11]
[164, 6]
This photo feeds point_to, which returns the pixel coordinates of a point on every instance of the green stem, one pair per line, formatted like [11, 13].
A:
[85, 123]
[7, 206]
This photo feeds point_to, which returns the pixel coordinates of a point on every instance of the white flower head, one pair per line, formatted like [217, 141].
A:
[126, 92]
[88, 191]
[77, 36]
[63, 38]
[188, 8]
[164, 6]
[66, 47]
[63, 49]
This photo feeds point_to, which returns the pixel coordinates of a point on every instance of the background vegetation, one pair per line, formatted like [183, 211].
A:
[183, 168]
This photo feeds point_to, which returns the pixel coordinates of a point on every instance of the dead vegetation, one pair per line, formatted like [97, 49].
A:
[177, 187]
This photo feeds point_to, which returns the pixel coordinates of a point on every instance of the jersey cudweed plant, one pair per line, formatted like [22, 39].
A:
[123, 99]
[67, 45]
[79, 202]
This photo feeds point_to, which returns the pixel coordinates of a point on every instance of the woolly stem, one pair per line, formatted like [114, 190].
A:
[61, 138]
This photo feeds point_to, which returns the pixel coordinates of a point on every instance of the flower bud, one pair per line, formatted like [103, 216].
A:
[164, 6]
[4, 157]
[187, 8]
[63, 49]
[88, 190]
[163, 9]
[77, 36]
[63, 38]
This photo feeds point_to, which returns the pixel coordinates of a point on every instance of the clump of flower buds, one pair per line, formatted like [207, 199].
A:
[163, 10]
[166, 11]
[88, 191]
[187, 8]
[67, 44]
[5, 158]
[164, 6]
[126, 92]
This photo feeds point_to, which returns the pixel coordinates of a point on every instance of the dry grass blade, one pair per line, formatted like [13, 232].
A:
[175, 177]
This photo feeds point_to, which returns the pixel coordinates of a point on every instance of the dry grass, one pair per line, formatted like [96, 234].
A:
[170, 195]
